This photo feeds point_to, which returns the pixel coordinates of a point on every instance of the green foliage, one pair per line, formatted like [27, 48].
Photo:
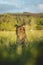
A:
[8, 22]
[39, 23]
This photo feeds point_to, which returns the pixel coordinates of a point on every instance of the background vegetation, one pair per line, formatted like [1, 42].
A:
[8, 21]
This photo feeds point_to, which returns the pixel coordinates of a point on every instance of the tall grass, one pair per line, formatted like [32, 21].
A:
[12, 53]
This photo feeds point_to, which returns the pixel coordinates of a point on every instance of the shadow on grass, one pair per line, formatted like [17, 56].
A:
[39, 60]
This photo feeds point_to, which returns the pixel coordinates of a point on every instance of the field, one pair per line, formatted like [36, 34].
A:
[30, 34]
[21, 39]
[29, 55]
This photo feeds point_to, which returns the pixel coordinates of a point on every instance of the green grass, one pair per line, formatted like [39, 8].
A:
[10, 53]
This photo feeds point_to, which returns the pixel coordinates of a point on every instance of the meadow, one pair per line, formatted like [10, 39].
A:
[13, 52]
[10, 53]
